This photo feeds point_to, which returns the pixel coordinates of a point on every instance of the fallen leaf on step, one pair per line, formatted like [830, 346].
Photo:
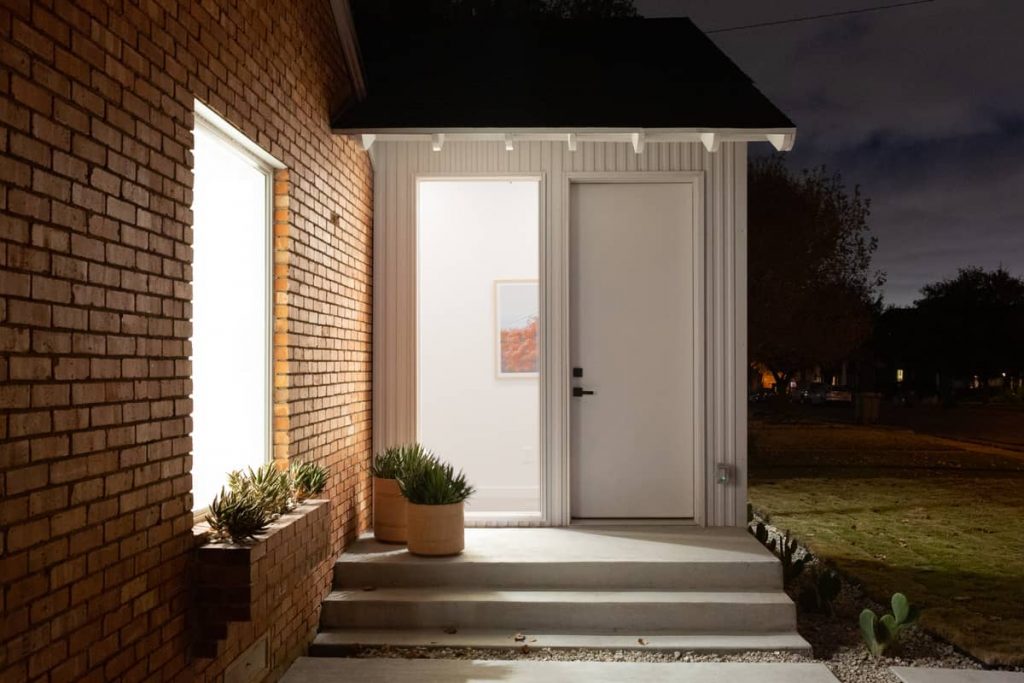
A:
[641, 641]
[520, 637]
[525, 649]
[450, 630]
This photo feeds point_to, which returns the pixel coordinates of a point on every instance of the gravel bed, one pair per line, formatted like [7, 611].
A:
[849, 664]
[836, 641]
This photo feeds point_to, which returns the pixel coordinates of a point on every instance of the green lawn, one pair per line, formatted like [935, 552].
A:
[939, 520]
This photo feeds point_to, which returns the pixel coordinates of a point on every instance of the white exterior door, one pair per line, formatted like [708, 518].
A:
[632, 336]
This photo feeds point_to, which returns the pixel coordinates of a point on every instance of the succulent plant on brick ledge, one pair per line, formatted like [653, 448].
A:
[308, 479]
[238, 515]
[271, 486]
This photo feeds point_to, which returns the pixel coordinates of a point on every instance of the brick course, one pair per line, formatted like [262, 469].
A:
[96, 102]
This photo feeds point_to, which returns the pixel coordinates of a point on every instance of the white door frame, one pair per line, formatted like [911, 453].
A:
[556, 389]
[553, 277]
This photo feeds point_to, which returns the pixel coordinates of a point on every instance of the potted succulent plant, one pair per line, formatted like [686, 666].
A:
[436, 511]
[389, 506]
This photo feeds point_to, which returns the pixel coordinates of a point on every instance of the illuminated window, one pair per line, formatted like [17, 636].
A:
[231, 326]
[899, 374]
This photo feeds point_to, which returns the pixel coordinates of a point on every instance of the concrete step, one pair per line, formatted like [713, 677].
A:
[639, 558]
[423, 572]
[343, 642]
[327, 670]
[562, 611]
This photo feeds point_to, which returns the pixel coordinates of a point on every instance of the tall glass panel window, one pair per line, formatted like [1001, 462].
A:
[479, 337]
[230, 311]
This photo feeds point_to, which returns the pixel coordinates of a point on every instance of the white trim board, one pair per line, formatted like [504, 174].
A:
[216, 122]
[712, 138]
[696, 179]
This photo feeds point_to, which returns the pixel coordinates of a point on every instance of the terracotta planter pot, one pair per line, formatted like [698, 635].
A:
[437, 530]
[389, 511]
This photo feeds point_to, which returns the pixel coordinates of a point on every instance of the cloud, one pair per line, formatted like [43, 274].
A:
[923, 106]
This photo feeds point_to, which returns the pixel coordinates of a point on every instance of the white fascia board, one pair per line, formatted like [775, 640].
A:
[781, 138]
[349, 45]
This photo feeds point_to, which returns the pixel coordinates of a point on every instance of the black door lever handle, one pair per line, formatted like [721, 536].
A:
[580, 391]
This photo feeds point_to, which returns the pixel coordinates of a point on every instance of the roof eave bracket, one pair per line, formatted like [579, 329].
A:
[639, 142]
[782, 142]
[711, 141]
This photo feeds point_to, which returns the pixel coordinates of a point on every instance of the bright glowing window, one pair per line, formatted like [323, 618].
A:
[478, 337]
[231, 326]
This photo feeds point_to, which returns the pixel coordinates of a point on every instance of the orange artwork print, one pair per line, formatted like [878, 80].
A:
[517, 304]
[519, 348]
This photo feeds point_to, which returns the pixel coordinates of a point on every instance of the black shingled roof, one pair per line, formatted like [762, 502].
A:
[601, 73]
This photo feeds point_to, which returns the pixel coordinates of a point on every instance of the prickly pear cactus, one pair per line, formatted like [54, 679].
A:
[880, 633]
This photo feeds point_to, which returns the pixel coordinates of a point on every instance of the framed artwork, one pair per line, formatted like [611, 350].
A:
[517, 318]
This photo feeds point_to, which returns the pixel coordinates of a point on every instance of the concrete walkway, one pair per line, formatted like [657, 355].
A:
[909, 674]
[338, 670]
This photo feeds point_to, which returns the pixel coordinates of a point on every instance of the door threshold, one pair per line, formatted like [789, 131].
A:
[633, 521]
[503, 519]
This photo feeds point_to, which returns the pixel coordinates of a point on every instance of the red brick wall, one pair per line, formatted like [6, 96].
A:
[243, 591]
[96, 100]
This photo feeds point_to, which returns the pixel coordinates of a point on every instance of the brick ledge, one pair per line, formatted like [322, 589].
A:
[241, 582]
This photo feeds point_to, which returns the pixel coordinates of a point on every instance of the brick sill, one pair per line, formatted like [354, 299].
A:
[240, 582]
[203, 535]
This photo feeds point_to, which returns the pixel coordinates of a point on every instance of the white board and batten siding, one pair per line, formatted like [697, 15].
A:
[723, 413]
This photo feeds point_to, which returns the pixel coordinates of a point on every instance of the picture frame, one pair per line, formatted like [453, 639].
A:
[516, 329]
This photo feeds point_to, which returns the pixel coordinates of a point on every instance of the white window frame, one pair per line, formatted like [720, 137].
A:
[266, 164]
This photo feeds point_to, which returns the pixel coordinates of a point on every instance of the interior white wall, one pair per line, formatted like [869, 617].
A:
[472, 233]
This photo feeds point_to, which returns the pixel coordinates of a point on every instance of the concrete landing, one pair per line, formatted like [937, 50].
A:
[666, 557]
[909, 674]
[328, 670]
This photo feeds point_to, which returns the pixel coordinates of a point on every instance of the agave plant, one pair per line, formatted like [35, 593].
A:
[308, 479]
[395, 462]
[238, 515]
[272, 487]
[432, 482]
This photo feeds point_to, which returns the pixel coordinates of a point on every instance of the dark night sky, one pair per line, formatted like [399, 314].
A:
[923, 106]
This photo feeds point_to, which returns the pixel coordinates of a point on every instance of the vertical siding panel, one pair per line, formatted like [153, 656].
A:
[729, 331]
[739, 179]
[406, 327]
[394, 379]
